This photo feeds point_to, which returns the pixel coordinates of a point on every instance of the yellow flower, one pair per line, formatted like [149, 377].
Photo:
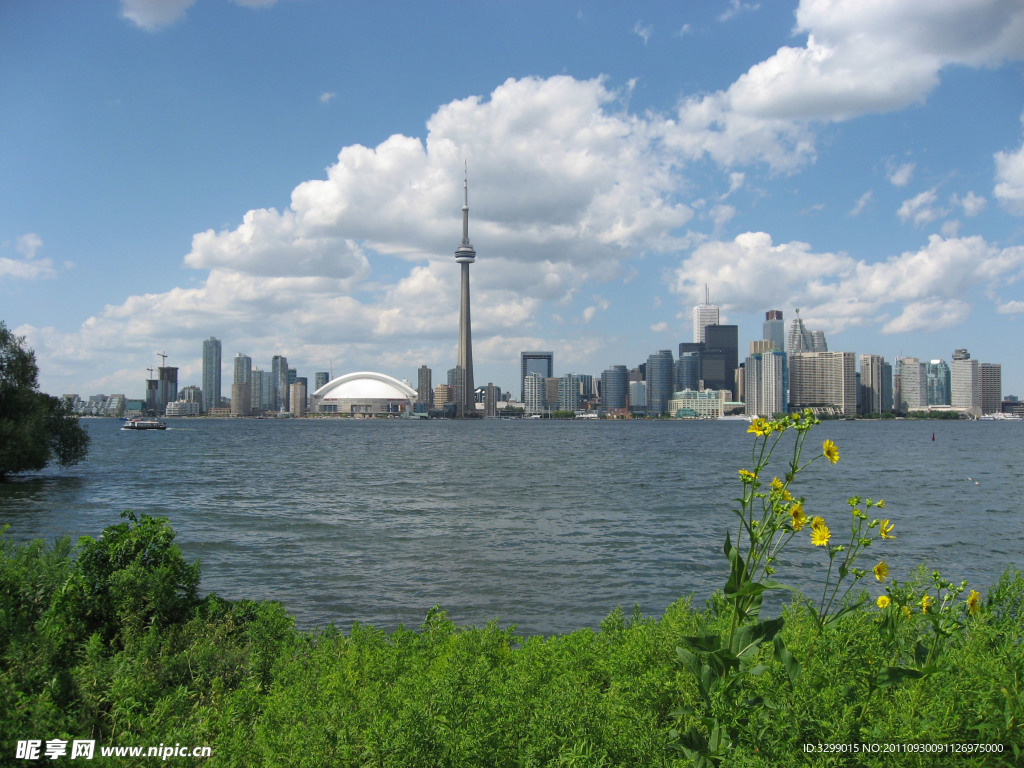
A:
[798, 516]
[881, 571]
[974, 602]
[883, 601]
[776, 484]
[926, 603]
[820, 534]
[760, 427]
[830, 451]
[747, 476]
[906, 611]
[883, 529]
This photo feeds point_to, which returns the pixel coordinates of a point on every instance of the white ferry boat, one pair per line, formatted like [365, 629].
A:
[143, 424]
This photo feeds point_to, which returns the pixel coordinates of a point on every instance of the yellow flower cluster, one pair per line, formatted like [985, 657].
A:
[820, 534]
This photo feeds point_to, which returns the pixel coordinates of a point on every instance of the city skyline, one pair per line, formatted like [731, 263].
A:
[863, 161]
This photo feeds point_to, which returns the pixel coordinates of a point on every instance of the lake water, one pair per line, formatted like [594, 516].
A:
[546, 525]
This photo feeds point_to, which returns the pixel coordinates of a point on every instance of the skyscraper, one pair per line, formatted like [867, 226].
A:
[823, 381]
[614, 389]
[464, 256]
[720, 357]
[911, 385]
[875, 384]
[211, 374]
[990, 378]
[802, 339]
[424, 389]
[243, 369]
[660, 382]
[965, 383]
[774, 328]
[704, 315]
[535, 362]
[279, 394]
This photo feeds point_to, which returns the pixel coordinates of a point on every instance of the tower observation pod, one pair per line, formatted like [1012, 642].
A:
[465, 400]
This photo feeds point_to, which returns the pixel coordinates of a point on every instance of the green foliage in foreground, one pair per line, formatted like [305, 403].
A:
[110, 641]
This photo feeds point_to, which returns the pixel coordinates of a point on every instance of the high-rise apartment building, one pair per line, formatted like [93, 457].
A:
[965, 383]
[937, 373]
[298, 398]
[534, 393]
[569, 392]
[211, 374]
[424, 389]
[703, 315]
[875, 385]
[614, 389]
[242, 369]
[660, 382]
[279, 394]
[823, 381]
[766, 380]
[241, 398]
[535, 362]
[687, 371]
[990, 378]
[911, 385]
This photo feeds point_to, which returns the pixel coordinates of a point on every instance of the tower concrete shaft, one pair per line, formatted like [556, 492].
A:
[464, 256]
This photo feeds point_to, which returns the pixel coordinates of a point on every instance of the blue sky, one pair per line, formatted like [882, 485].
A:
[287, 176]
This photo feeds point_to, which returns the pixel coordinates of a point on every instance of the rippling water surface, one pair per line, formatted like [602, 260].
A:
[546, 525]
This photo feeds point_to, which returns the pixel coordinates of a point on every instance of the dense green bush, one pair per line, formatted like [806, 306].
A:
[109, 641]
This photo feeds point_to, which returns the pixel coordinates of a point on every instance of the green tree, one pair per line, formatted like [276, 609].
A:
[35, 428]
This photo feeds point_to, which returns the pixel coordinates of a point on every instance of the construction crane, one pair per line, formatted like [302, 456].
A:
[163, 358]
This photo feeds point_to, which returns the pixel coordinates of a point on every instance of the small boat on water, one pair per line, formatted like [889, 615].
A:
[143, 424]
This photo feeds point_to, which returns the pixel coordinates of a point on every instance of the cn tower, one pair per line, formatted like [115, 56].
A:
[465, 399]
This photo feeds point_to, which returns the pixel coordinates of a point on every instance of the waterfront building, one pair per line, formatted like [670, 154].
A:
[704, 315]
[687, 371]
[193, 394]
[424, 389]
[965, 383]
[774, 328]
[166, 388]
[241, 398]
[706, 404]
[937, 374]
[615, 390]
[534, 394]
[364, 393]
[720, 358]
[569, 392]
[183, 408]
[442, 395]
[990, 379]
[638, 397]
[491, 396]
[766, 377]
[464, 256]
[551, 385]
[911, 385]
[242, 369]
[825, 382]
[279, 391]
[211, 373]
[660, 381]
[319, 379]
[535, 362]
[298, 395]
[875, 385]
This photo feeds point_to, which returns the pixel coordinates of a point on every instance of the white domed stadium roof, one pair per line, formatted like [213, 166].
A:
[365, 385]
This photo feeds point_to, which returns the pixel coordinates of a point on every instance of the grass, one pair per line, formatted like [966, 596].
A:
[109, 641]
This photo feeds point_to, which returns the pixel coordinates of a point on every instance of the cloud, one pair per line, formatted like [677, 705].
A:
[900, 177]
[736, 7]
[152, 15]
[837, 292]
[920, 209]
[862, 203]
[644, 31]
[971, 203]
[28, 267]
[860, 57]
[327, 96]
[1009, 188]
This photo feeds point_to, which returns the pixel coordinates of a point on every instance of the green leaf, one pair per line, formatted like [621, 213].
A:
[789, 662]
